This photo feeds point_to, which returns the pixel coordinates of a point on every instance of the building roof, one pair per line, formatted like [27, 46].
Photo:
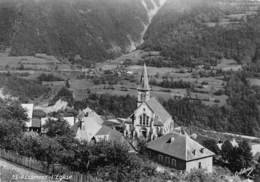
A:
[90, 115]
[36, 123]
[144, 82]
[179, 146]
[159, 110]
[113, 134]
[87, 127]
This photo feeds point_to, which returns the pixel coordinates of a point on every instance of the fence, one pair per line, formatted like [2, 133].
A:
[43, 167]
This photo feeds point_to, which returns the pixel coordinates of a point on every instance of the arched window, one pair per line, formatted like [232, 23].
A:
[144, 119]
[147, 120]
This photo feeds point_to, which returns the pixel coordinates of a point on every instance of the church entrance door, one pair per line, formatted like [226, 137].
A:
[144, 132]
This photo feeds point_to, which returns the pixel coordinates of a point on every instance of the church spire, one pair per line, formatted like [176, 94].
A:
[144, 87]
[144, 82]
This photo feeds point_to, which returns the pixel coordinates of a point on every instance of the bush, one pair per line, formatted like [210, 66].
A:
[64, 94]
[49, 78]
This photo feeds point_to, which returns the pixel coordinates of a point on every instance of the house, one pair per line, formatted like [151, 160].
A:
[87, 127]
[91, 128]
[179, 151]
[150, 119]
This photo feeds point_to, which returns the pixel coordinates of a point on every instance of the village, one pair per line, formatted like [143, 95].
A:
[167, 144]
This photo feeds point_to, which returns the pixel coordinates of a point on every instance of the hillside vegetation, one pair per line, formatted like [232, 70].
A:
[203, 31]
[94, 30]
[24, 90]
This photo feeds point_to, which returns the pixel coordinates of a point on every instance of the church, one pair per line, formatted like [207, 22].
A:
[150, 119]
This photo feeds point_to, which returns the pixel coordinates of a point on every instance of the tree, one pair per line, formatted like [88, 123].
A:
[240, 157]
[67, 83]
[48, 150]
[12, 111]
[211, 144]
[226, 150]
[58, 128]
[257, 170]
[141, 145]
[64, 94]
[198, 176]
[9, 130]
[12, 121]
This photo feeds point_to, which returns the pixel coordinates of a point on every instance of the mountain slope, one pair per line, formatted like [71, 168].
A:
[95, 30]
[191, 32]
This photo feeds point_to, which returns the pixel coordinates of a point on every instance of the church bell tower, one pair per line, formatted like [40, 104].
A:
[144, 88]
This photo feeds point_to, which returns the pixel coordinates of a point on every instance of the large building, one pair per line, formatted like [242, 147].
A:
[150, 119]
[179, 151]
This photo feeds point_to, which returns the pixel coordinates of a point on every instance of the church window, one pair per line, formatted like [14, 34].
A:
[147, 120]
[144, 118]
[141, 120]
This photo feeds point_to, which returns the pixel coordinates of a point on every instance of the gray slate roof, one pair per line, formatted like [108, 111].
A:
[159, 110]
[179, 146]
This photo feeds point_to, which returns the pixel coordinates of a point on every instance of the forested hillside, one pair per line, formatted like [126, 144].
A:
[95, 30]
[187, 32]
[190, 32]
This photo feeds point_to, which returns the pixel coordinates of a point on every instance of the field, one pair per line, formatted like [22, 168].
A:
[255, 81]
[30, 67]
[228, 65]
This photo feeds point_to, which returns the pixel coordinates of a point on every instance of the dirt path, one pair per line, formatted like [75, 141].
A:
[24, 174]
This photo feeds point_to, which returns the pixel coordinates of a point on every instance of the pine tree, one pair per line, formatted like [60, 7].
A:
[226, 150]
[241, 157]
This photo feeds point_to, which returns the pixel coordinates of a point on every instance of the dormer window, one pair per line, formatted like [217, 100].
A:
[194, 152]
[171, 140]
[202, 150]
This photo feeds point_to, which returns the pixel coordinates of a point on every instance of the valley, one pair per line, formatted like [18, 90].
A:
[191, 49]
[108, 90]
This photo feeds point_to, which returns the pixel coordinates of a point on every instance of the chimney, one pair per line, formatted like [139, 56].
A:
[171, 140]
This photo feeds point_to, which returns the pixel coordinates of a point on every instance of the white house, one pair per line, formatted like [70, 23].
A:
[90, 128]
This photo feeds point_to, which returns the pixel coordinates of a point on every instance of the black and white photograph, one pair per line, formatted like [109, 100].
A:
[129, 90]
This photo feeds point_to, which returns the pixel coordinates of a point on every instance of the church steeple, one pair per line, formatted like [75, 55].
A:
[144, 87]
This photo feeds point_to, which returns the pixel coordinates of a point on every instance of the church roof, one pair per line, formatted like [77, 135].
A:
[159, 110]
[144, 82]
[179, 146]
